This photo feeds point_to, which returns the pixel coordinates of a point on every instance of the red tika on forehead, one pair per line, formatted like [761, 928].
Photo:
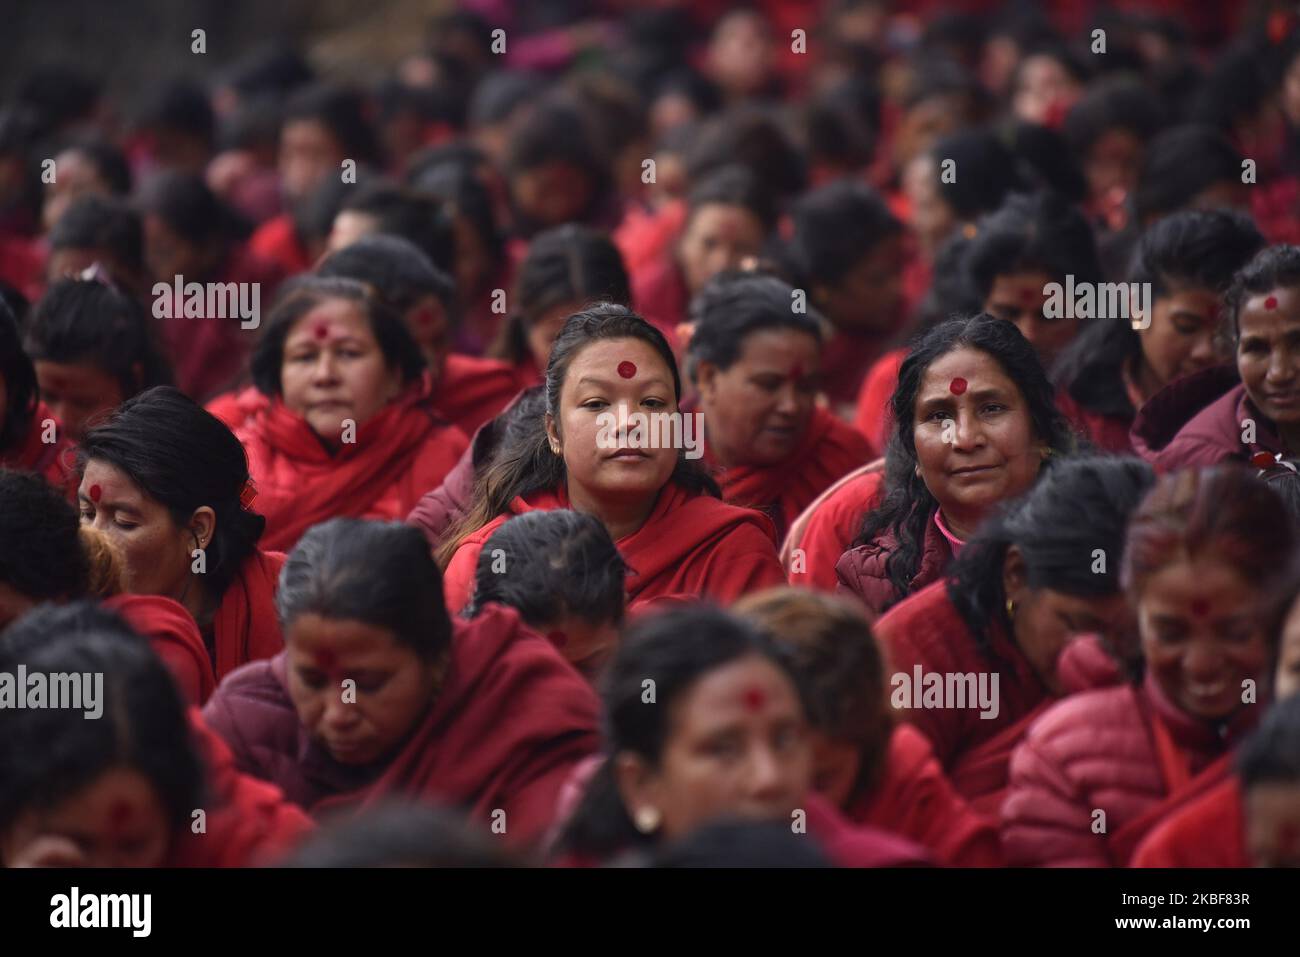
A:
[119, 815]
[796, 373]
[627, 369]
[1270, 302]
[1200, 607]
[957, 386]
[1028, 297]
[326, 659]
[95, 493]
[321, 330]
[754, 698]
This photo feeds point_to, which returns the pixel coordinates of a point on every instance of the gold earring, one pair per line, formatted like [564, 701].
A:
[1011, 608]
[647, 819]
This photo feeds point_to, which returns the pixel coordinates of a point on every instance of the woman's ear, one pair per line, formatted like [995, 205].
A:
[553, 433]
[1014, 574]
[635, 783]
[706, 379]
[203, 526]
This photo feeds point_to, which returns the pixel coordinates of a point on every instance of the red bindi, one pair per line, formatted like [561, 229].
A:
[754, 698]
[95, 493]
[1200, 607]
[326, 660]
[558, 638]
[320, 330]
[1262, 460]
[957, 386]
[119, 814]
[1270, 302]
[627, 369]
[1028, 296]
[797, 372]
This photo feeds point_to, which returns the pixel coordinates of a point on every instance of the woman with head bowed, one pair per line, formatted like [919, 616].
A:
[1044, 571]
[350, 429]
[756, 364]
[877, 771]
[606, 447]
[561, 572]
[378, 694]
[1203, 550]
[121, 789]
[704, 722]
[31, 439]
[168, 485]
[974, 424]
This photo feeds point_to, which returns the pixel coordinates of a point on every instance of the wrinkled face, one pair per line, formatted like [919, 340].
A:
[758, 409]
[357, 691]
[309, 153]
[1113, 163]
[1272, 812]
[75, 176]
[1268, 353]
[334, 370]
[836, 765]
[1046, 620]
[932, 218]
[543, 333]
[974, 436]
[1286, 678]
[1182, 336]
[717, 237]
[349, 226]
[168, 254]
[1046, 89]
[1019, 298]
[1201, 635]
[866, 299]
[118, 820]
[737, 746]
[77, 392]
[155, 549]
[553, 193]
[602, 464]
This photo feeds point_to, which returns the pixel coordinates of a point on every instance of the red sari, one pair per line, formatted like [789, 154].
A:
[53, 461]
[830, 449]
[504, 732]
[691, 544]
[402, 452]
[827, 527]
[246, 627]
[1206, 832]
[174, 637]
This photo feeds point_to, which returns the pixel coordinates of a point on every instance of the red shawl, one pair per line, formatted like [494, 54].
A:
[53, 461]
[238, 407]
[504, 732]
[826, 528]
[401, 453]
[830, 449]
[473, 390]
[1206, 832]
[246, 627]
[692, 544]
[174, 637]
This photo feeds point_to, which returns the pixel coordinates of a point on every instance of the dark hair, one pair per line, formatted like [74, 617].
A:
[733, 185]
[733, 305]
[179, 104]
[450, 176]
[41, 556]
[185, 458]
[1286, 483]
[835, 226]
[560, 564]
[399, 211]
[566, 264]
[557, 132]
[1271, 268]
[1271, 755]
[340, 110]
[526, 464]
[675, 649]
[750, 136]
[986, 172]
[394, 267]
[87, 321]
[1038, 232]
[109, 162]
[1118, 102]
[191, 210]
[1200, 248]
[399, 835]
[1044, 159]
[48, 755]
[305, 294]
[19, 378]
[101, 222]
[1181, 162]
[906, 506]
[1080, 506]
[379, 573]
[736, 843]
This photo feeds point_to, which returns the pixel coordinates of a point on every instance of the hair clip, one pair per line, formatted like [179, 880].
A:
[249, 494]
[95, 272]
[1268, 463]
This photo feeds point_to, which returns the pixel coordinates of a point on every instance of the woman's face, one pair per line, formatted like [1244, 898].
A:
[309, 154]
[1268, 353]
[552, 194]
[866, 299]
[155, 549]
[76, 392]
[757, 410]
[605, 463]
[717, 237]
[543, 332]
[836, 766]
[1286, 679]
[932, 218]
[168, 254]
[1019, 299]
[974, 437]
[1045, 90]
[1182, 337]
[118, 820]
[737, 745]
[357, 691]
[1201, 635]
[1112, 163]
[334, 370]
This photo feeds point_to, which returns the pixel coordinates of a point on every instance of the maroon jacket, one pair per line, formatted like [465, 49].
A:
[1197, 421]
[439, 508]
[1097, 751]
[861, 570]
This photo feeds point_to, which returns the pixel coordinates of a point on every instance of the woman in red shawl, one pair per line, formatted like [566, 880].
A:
[379, 695]
[756, 363]
[168, 484]
[126, 790]
[705, 722]
[1031, 579]
[877, 771]
[30, 437]
[1100, 769]
[350, 428]
[592, 454]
